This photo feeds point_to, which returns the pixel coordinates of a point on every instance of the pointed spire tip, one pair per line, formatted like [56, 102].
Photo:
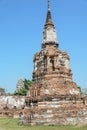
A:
[48, 4]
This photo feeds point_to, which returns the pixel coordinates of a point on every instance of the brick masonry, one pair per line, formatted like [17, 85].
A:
[54, 98]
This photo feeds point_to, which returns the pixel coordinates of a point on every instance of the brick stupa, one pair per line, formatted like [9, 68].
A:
[53, 98]
[52, 74]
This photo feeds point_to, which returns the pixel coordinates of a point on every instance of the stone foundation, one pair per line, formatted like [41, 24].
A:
[58, 111]
[12, 106]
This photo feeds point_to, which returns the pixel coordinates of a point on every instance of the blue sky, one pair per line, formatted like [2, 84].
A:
[21, 27]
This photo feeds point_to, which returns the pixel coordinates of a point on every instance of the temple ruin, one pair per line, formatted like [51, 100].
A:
[52, 74]
[53, 98]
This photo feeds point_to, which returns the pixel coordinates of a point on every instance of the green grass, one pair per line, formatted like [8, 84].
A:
[12, 124]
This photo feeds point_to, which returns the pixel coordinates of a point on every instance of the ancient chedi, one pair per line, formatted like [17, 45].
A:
[52, 74]
[53, 96]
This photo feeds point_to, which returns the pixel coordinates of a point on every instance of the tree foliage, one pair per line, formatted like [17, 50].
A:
[23, 91]
[27, 84]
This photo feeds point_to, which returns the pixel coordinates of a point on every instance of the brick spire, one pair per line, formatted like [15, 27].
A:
[49, 32]
[48, 4]
[49, 18]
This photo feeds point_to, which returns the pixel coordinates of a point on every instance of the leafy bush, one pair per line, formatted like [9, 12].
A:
[23, 91]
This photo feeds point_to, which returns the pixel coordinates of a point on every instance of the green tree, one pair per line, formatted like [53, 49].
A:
[23, 91]
[27, 84]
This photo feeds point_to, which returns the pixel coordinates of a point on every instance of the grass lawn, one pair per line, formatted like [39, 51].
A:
[12, 124]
